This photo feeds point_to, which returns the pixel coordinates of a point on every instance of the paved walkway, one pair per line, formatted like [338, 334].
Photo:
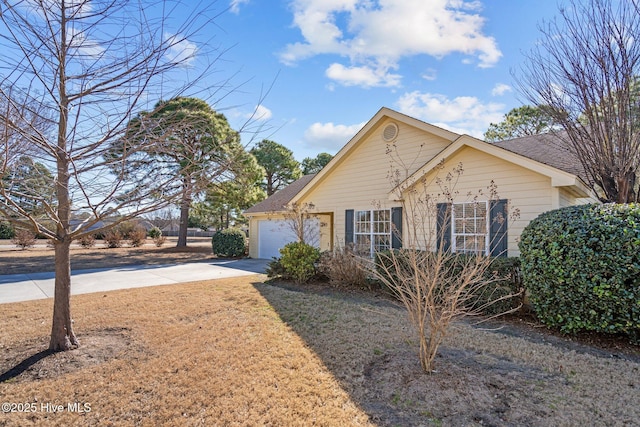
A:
[24, 287]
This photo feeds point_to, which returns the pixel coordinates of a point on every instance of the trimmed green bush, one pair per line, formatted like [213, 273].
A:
[154, 232]
[504, 290]
[581, 266]
[6, 231]
[229, 243]
[299, 261]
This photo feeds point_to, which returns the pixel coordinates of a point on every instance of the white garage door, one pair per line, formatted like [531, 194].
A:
[274, 234]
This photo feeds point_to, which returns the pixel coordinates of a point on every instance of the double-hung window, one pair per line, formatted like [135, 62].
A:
[470, 228]
[372, 231]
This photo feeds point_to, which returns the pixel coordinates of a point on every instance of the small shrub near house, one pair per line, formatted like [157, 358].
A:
[275, 269]
[24, 239]
[229, 243]
[581, 267]
[344, 267]
[298, 260]
[6, 231]
[502, 290]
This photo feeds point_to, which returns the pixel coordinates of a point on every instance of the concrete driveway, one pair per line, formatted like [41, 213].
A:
[24, 287]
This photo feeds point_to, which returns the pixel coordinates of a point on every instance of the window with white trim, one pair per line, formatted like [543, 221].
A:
[372, 231]
[470, 227]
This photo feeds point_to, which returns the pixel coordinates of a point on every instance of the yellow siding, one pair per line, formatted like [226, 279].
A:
[361, 180]
[528, 192]
[569, 198]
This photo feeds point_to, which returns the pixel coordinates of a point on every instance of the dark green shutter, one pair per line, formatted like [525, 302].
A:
[498, 214]
[396, 228]
[444, 227]
[348, 226]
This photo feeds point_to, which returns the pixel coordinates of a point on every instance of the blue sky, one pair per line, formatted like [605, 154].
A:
[337, 62]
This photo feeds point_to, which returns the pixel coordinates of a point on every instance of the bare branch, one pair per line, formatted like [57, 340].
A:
[585, 73]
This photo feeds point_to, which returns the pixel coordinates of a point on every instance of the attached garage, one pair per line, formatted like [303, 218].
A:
[273, 234]
[268, 231]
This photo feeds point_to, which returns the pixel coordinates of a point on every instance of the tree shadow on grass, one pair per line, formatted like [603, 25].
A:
[25, 365]
[354, 334]
[367, 344]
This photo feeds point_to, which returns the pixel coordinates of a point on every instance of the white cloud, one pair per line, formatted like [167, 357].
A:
[430, 74]
[262, 113]
[330, 136]
[234, 5]
[382, 33]
[500, 89]
[259, 114]
[464, 114]
[362, 76]
[181, 50]
[84, 46]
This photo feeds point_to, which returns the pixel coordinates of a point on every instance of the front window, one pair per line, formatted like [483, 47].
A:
[470, 230]
[372, 231]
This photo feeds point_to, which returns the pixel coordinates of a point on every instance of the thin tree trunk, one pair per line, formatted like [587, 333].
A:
[62, 335]
[185, 204]
[270, 189]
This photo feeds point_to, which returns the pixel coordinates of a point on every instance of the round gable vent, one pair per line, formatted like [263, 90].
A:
[390, 132]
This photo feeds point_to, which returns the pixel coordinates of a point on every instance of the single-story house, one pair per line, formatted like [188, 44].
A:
[395, 160]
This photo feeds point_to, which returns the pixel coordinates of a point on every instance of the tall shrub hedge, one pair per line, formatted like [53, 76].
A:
[6, 230]
[581, 266]
[230, 242]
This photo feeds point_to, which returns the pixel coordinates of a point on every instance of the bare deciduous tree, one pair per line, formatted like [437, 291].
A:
[302, 221]
[436, 285]
[84, 69]
[586, 68]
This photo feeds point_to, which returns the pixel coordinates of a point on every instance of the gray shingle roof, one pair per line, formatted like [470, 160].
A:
[278, 200]
[549, 149]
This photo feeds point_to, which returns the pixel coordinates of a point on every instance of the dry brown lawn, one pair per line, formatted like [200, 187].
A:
[242, 352]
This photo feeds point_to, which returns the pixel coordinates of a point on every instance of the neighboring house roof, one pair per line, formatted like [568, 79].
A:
[73, 223]
[278, 201]
[549, 149]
